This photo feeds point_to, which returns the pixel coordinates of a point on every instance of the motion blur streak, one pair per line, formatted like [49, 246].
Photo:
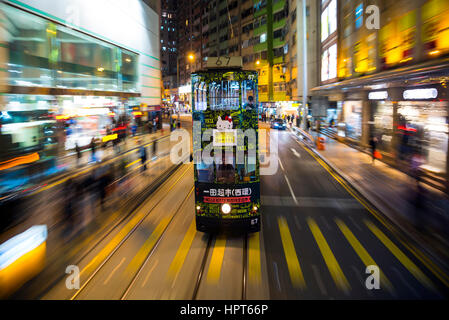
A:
[19, 161]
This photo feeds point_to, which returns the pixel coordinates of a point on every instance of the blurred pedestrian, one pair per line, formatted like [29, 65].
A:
[373, 146]
[69, 207]
[143, 157]
[78, 154]
[93, 148]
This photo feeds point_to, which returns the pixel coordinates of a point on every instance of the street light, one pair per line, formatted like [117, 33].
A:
[258, 62]
[191, 57]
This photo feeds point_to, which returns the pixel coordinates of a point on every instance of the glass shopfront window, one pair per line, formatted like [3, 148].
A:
[423, 130]
[29, 46]
[352, 111]
[383, 125]
[85, 63]
[42, 53]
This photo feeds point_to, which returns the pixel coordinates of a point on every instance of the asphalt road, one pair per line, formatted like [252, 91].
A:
[316, 242]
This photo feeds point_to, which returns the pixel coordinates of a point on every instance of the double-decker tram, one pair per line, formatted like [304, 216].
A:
[225, 150]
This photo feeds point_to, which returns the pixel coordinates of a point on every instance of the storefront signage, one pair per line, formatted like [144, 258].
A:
[416, 94]
[378, 95]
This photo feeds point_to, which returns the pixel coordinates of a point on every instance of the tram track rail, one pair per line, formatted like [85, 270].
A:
[153, 249]
[122, 241]
[202, 271]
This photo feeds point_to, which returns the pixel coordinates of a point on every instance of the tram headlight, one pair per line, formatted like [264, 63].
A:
[226, 208]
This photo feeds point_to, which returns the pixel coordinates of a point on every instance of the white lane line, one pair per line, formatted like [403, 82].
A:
[354, 223]
[291, 190]
[113, 271]
[298, 225]
[360, 278]
[282, 167]
[316, 272]
[295, 152]
[149, 273]
[276, 273]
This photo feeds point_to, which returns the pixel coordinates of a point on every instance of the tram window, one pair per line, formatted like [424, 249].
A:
[249, 95]
[225, 169]
[205, 172]
[200, 96]
[224, 95]
[246, 172]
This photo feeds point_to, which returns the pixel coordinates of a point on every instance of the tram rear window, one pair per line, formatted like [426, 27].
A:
[226, 170]
[224, 95]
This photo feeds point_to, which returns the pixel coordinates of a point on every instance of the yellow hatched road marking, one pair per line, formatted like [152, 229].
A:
[132, 163]
[332, 264]
[254, 266]
[294, 268]
[362, 253]
[443, 277]
[181, 254]
[109, 248]
[213, 275]
[149, 244]
[406, 262]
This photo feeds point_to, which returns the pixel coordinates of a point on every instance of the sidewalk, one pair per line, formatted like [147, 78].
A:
[70, 160]
[423, 213]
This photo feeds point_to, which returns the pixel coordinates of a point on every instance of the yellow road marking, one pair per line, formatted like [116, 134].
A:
[362, 253]
[294, 268]
[213, 275]
[181, 254]
[132, 163]
[443, 277]
[406, 262]
[149, 244]
[332, 264]
[254, 266]
[107, 250]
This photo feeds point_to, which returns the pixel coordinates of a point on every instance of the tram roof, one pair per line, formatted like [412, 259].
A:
[224, 70]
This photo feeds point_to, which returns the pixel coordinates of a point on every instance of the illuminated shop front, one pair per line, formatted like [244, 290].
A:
[63, 86]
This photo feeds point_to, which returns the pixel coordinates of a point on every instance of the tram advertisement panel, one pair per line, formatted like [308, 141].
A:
[230, 138]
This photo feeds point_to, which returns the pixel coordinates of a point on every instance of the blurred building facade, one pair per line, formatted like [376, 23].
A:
[169, 43]
[387, 79]
[263, 33]
[68, 72]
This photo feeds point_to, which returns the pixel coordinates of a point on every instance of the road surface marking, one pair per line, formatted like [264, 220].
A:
[280, 163]
[295, 152]
[149, 244]
[132, 163]
[118, 238]
[406, 262]
[362, 253]
[113, 271]
[332, 264]
[316, 272]
[443, 277]
[291, 190]
[298, 225]
[213, 275]
[293, 265]
[254, 266]
[149, 273]
[182, 252]
[276, 273]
